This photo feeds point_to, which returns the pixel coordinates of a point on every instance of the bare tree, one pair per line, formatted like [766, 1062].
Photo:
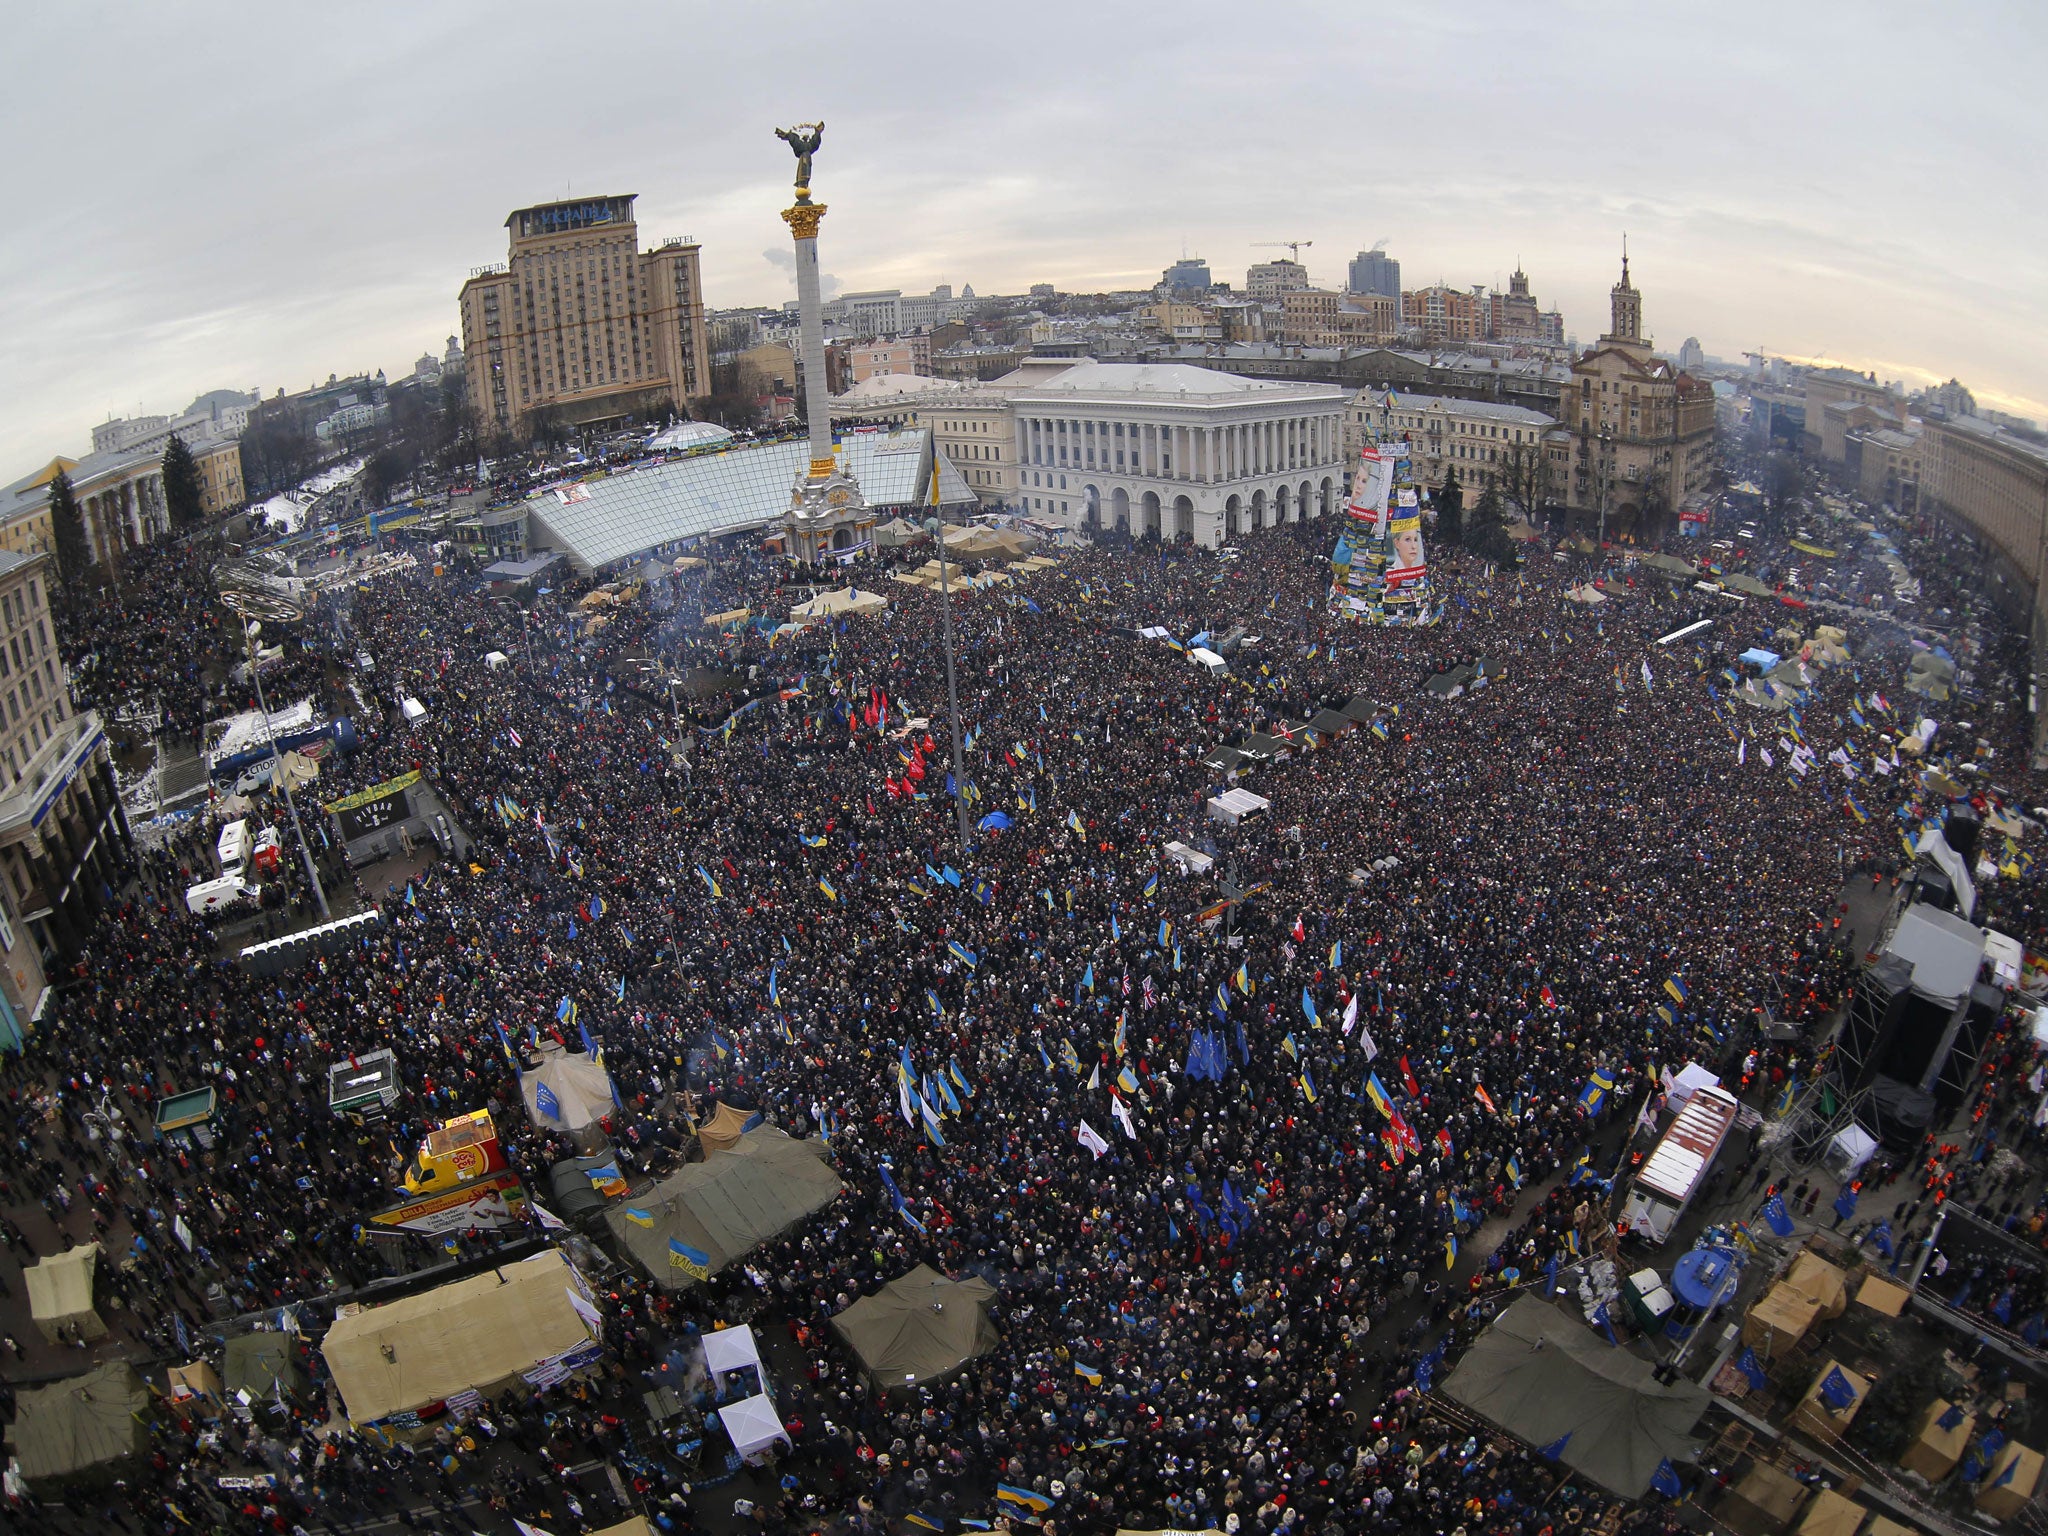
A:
[1525, 477]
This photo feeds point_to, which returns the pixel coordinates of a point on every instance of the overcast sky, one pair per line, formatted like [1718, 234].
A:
[258, 196]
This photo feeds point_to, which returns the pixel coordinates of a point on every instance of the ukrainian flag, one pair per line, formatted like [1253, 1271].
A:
[1678, 991]
[1244, 981]
[1515, 1172]
[1376, 1091]
[962, 953]
[694, 1262]
[1289, 1047]
[924, 1522]
[1037, 1503]
[639, 1218]
[1127, 1080]
[1308, 1088]
[1088, 1373]
[1152, 887]
[812, 842]
[826, 887]
[1165, 933]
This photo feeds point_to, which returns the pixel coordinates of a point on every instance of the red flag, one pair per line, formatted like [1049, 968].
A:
[1300, 932]
[1408, 1077]
[1479, 1092]
[1548, 1000]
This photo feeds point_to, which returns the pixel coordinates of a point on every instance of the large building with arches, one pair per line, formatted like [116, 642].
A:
[1176, 450]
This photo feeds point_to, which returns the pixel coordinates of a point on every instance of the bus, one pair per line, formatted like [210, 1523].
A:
[1674, 1171]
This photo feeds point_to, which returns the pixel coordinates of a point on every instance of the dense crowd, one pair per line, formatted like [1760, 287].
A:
[1603, 866]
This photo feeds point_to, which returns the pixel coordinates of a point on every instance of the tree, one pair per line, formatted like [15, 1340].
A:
[1450, 510]
[1487, 534]
[183, 494]
[67, 529]
[1525, 476]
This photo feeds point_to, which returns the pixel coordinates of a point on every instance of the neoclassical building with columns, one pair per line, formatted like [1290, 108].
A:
[1176, 450]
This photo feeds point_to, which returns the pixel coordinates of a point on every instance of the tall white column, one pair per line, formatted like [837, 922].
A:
[811, 328]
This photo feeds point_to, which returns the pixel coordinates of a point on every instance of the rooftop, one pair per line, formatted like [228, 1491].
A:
[1175, 381]
[1482, 410]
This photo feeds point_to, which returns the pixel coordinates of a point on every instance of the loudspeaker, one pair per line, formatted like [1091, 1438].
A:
[1909, 1052]
[1881, 1000]
[1934, 888]
[1954, 1073]
[1897, 1114]
[1962, 830]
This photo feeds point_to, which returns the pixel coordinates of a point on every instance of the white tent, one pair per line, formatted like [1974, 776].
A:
[729, 1350]
[1691, 1078]
[1849, 1149]
[1236, 805]
[1193, 860]
[754, 1425]
[579, 1094]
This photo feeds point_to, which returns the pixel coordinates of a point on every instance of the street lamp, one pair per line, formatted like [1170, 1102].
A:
[936, 529]
[277, 773]
[1606, 477]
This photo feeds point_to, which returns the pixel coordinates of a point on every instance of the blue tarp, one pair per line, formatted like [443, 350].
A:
[1757, 656]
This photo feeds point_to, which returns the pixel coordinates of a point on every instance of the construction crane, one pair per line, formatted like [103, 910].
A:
[1293, 247]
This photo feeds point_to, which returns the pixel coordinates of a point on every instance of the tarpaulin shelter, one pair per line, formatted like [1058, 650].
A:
[1543, 1377]
[1692, 1077]
[1814, 1276]
[842, 601]
[722, 1132]
[88, 1426]
[1817, 1417]
[480, 1334]
[1830, 1514]
[726, 1206]
[897, 532]
[60, 1292]
[571, 1194]
[637, 1526]
[1780, 1320]
[1764, 1501]
[264, 1365]
[919, 1329]
[2001, 1496]
[1585, 593]
[1936, 1450]
[579, 1094]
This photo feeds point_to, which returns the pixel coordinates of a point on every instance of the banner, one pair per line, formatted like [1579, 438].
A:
[374, 792]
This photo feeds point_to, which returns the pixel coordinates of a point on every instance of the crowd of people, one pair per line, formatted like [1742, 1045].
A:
[1235, 1168]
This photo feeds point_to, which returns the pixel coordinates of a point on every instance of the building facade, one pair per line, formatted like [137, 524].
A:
[579, 320]
[1445, 316]
[1176, 451]
[973, 429]
[888, 354]
[1375, 272]
[1475, 437]
[1641, 433]
[120, 496]
[1887, 465]
[1826, 386]
[1270, 279]
[63, 837]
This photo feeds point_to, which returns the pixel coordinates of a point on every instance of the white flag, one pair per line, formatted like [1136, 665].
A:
[549, 1221]
[1741, 752]
[1769, 761]
[1095, 1077]
[1122, 1111]
[1372, 1049]
[1350, 1015]
[1646, 674]
[903, 1099]
[1092, 1139]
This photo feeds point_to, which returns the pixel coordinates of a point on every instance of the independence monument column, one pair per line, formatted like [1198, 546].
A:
[826, 509]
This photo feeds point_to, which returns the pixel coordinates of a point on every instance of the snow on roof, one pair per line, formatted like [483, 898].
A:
[688, 434]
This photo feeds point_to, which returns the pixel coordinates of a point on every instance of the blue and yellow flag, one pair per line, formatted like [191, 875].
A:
[639, 1218]
[962, 953]
[694, 1262]
[1027, 1498]
[1088, 1373]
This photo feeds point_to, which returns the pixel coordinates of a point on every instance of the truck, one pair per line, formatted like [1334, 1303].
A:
[458, 1178]
[1677, 1166]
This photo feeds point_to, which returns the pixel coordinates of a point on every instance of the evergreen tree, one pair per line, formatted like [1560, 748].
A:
[1450, 510]
[67, 529]
[182, 491]
[1486, 535]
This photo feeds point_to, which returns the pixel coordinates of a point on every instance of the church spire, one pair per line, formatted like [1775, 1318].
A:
[1625, 306]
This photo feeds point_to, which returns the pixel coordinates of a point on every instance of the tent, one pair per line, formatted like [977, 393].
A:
[1757, 656]
[753, 1425]
[88, 1425]
[294, 769]
[727, 1205]
[1236, 805]
[722, 1132]
[1849, 1149]
[844, 600]
[60, 1292]
[1779, 1321]
[1818, 1419]
[1543, 1376]
[1935, 1450]
[1812, 1275]
[480, 1334]
[2001, 1496]
[897, 532]
[265, 1365]
[1586, 593]
[1830, 1514]
[919, 1329]
[579, 1091]
[1745, 584]
[1692, 1077]
[637, 1526]
[727, 1350]
[1764, 1501]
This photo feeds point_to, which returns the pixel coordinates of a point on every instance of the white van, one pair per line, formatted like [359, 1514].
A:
[414, 711]
[211, 896]
[1209, 661]
[233, 849]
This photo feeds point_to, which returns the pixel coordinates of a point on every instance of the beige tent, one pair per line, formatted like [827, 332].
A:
[1764, 1501]
[1935, 1451]
[722, 1132]
[87, 1425]
[60, 1292]
[480, 1334]
[1832, 1515]
[1812, 1275]
[1588, 594]
[2009, 1483]
[234, 807]
[1813, 1416]
[846, 600]
[1779, 1320]
[637, 1526]
[919, 1329]
[295, 768]
[897, 532]
[727, 1205]
[579, 1089]
[730, 617]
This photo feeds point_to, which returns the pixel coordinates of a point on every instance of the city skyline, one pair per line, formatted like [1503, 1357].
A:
[318, 218]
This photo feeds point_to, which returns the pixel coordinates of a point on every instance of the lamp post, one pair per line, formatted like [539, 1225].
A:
[277, 773]
[937, 530]
[1606, 477]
